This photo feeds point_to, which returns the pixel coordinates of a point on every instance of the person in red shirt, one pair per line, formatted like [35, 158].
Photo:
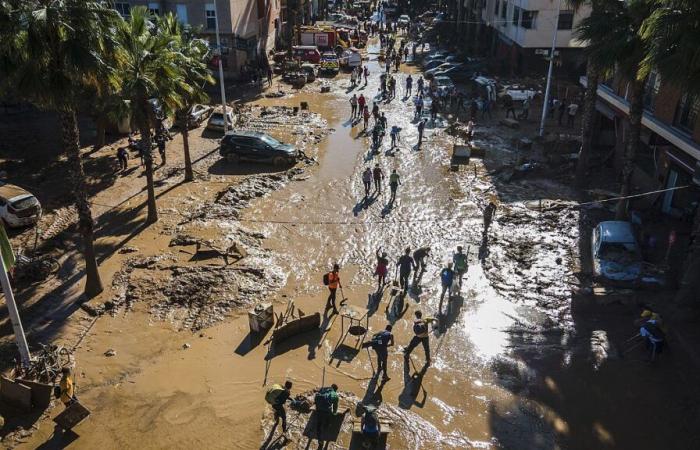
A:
[333, 283]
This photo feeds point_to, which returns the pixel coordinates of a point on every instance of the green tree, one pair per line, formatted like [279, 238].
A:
[149, 69]
[615, 44]
[51, 54]
[193, 56]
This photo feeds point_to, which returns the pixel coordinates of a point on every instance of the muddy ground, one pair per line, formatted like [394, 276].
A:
[524, 359]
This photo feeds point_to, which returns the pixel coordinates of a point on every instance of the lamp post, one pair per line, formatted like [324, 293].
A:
[221, 68]
[545, 107]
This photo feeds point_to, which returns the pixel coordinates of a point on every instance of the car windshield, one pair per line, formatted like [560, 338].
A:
[619, 252]
[441, 81]
[269, 140]
[25, 203]
[217, 116]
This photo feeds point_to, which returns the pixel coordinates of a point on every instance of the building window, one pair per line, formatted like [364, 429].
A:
[181, 11]
[124, 9]
[210, 13]
[651, 89]
[504, 10]
[496, 9]
[516, 16]
[529, 19]
[566, 20]
[154, 9]
[687, 112]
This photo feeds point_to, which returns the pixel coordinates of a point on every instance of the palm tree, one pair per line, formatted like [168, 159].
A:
[55, 56]
[192, 60]
[148, 64]
[614, 35]
[672, 33]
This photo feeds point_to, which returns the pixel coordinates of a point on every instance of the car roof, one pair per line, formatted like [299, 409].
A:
[617, 231]
[246, 133]
[443, 78]
[220, 110]
[10, 191]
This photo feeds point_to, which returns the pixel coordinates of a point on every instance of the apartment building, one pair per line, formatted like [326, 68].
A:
[248, 29]
[670, 152]
[520, 32]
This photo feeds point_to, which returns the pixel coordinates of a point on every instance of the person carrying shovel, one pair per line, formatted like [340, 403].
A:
[421, 329]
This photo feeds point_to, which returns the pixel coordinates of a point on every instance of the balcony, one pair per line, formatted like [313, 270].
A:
[666, 131]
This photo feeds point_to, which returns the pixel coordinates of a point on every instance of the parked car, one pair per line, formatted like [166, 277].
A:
[18, 208]
[440, 68]
[216, 120]
[310, 71]
[615, 251]
[438, 54]
[518, 93]
[256, 147]
[306, 53]
[443, 83]
[433, 64]
[198, 114]
[404, 20]
[459, 74]
[330, 63]
[351, 58]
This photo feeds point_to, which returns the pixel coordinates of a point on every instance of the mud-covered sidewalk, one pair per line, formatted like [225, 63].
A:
[524, 359]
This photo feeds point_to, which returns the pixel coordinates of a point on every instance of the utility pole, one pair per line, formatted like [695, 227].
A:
[545, 106]
[14, 315]
[221, 69]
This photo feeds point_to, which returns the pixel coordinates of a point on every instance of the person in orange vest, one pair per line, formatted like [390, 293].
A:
[333, 284]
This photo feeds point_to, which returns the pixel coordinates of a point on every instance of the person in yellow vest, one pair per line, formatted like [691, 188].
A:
[67, 388]
[333, 283]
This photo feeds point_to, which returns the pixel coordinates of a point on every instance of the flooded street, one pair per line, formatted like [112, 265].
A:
[514, 364]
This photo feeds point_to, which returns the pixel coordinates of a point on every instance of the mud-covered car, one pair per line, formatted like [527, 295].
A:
[254, 146]
[615, 251]
[18, 208]
[216, 120]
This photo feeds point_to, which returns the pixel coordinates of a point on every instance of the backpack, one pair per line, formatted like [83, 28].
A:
[275, 391]
[420, 327]
[323, 399]
[326, 278]
[380, 339]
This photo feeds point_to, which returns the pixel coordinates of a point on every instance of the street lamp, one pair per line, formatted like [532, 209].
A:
[221, 67]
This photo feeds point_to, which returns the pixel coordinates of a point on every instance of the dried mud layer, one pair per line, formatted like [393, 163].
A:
[215, 266]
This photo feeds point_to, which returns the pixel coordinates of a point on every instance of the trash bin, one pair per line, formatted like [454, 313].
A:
[261, 317]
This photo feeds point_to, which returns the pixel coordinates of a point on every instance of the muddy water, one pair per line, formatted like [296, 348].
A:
[168, 388]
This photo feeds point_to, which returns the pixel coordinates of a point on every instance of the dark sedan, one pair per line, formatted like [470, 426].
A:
[256, 147]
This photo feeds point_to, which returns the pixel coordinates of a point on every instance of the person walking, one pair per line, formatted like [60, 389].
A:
[405, 265]
[420, 84]
[383, 121]
[380, 343]
[394, 135]
[269, 75]
[326, 401]
[365, 116]
[123, 158]
[353, 106]
[353, 78]
[562, 110]
[446, 279]
[409, 85]
[160, 142]
[277, 396]
[361, 103]
[421, 331]
[367, 180]
[461, 264]
[421, 128]
[526, 109]
[366, 71]
[394, 181]
[332, 279]
[378, 176]
[508, 105]
[572, 110]
[486, 108]
[489, 212]
[419, 105]
[419, 257]
[382, 269]
[375, 111]
[434, 106]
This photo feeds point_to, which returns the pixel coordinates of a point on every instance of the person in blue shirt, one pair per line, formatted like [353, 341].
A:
[381, 343]
[446, 278]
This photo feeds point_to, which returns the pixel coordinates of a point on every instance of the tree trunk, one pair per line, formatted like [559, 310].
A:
[69, 128]
[687, 295]
[593, 77]
[636, 101]
[100, 125]
[189, 174]
[145, 131]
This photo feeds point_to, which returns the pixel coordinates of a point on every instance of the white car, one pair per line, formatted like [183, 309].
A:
[615, 251]
[216, 120]
[18, 208]
[518, 93]
[444, 84]
[404, 20]
[198, 114]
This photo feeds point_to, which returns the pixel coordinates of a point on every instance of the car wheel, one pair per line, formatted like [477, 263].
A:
[233, 158]
[279, 161]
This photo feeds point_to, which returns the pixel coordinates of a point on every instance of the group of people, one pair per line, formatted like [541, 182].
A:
[159, 139]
